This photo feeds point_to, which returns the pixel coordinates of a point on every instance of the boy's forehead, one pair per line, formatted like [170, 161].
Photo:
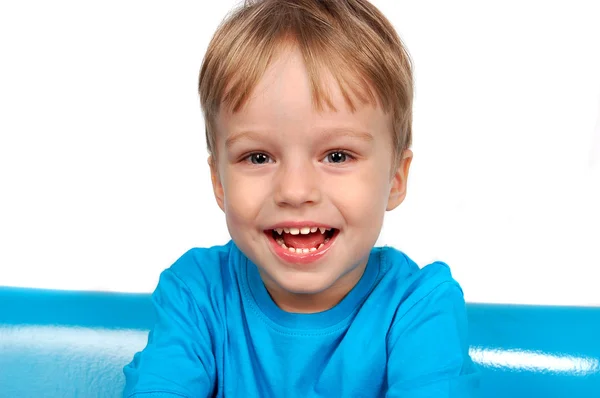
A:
[284, 95]
[285, 85]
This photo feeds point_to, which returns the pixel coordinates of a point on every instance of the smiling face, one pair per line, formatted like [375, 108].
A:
[304, 192]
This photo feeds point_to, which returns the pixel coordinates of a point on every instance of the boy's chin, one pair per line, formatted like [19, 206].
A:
[304, 290]
[305, 285]
[304, 299]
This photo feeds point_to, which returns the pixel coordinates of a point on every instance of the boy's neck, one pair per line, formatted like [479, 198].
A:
[301, 303]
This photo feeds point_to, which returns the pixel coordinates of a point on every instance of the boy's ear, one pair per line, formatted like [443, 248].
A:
[216, 182]
[399, 181]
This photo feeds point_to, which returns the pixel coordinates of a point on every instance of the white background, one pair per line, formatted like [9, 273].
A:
[103, 175]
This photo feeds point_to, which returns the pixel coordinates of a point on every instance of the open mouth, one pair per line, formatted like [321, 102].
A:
[303, 240]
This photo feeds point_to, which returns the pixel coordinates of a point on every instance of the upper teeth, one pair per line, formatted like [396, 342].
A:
[303, 230]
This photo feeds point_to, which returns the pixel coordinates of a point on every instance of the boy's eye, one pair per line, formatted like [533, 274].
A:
[336, 157]
[258, 158]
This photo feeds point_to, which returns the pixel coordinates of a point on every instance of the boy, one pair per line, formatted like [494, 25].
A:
[307, 106]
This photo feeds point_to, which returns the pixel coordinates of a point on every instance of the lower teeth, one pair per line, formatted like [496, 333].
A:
[303, 251]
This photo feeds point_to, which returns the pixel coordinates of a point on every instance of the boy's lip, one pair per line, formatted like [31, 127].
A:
[299, 224]
[300, 258]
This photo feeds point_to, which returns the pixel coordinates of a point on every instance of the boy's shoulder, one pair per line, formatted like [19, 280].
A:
[401, 267]
[204, 266]
[410, 282]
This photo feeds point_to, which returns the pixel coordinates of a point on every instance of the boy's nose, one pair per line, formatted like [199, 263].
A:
[297, 185]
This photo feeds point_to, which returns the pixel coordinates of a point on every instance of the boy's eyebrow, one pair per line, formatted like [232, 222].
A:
[326, 135]
[248, 135]
[330, 134]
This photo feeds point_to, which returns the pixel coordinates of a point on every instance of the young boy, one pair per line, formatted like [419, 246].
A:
[307, 105]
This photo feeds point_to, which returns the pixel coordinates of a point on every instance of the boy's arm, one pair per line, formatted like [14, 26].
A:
[428, 353]
[178, 360]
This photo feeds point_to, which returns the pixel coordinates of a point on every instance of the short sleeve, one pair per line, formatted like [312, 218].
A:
[178, 360]
[428, 351]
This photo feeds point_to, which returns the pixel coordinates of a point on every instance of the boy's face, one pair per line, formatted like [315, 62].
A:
[281, 164]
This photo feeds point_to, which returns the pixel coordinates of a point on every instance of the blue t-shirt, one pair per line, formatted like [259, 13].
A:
[400, 332]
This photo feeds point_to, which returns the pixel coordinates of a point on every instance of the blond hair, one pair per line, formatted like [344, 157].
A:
[350, 39]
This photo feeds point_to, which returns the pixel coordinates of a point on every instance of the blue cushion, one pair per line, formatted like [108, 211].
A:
[75, 344]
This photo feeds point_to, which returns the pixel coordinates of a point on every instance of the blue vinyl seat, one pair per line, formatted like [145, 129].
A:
[75, 344]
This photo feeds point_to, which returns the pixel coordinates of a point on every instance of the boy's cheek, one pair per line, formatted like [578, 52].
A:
[369, 186]
[242, 198]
